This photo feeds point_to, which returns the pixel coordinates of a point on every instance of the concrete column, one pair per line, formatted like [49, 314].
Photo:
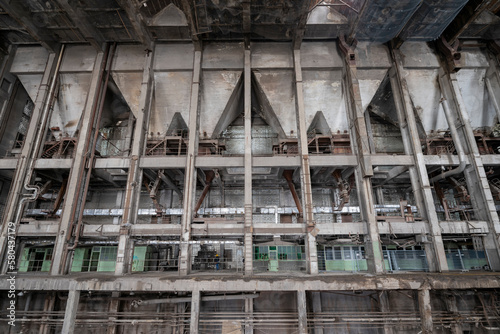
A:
[70, 312]
[195, 312]
[12, 206]
[385, 308]
[72, 200]
[48, 306]
[411, 140]
[190, 173]
[316, 307]
[248, 165]
[249, 316]
[114, 304]
[451, 305]
[475, 174]
[424, 305]
[302, 311]
[364, 170]
[134, 177]
[305, 175]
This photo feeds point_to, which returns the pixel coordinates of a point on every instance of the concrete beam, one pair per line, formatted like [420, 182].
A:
[53, 163]
[70, 312]
[218, 162]
[112, 163]
[149, 162]
[160, 282]
[8, 163]
[50, 228]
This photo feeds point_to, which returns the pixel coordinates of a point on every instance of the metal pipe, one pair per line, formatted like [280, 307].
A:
[188, 299]
[209, 177]
[456, 141]
[38, 140]
[288, 175]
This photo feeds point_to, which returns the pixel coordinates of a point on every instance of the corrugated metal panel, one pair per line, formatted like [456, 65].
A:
[382, 20]
[431, 19]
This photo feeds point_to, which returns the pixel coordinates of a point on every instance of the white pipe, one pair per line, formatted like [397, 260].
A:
[38, 140]
[456, 141]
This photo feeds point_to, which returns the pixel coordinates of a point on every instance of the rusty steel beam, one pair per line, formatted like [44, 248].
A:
[209, 178]
[467, 15]
[288, 175]
[60, 197]
[19, 11]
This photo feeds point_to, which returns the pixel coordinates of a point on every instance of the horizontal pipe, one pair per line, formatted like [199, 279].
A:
[204, 299]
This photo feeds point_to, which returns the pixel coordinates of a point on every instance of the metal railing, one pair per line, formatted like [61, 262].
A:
[143, 265]
[405, 260]
[459, 259]
[208, 259]
[357, 263]
[106, 148]
[279, 265]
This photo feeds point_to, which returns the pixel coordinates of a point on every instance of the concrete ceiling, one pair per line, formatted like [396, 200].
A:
[51, 22]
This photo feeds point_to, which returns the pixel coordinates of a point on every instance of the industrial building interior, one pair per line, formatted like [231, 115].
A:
[237, 166]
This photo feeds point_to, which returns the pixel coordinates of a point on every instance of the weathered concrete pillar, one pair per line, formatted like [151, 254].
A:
[305, 175]
[72, 200]
[248, 165]
[134, 177]
[316, 308]
[302, 311]
[411, 141]
[385, 308]
[195, 312]
[190, 173]
[48, 307]
[451, 305]
[114, 304]
[475, 174]
[70, 312]
[364, 170]
[13, 205]
[249, 316]
[424, 306]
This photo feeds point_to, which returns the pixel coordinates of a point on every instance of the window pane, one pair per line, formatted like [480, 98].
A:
[328, 253]
[337, 253]
[347, 253]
